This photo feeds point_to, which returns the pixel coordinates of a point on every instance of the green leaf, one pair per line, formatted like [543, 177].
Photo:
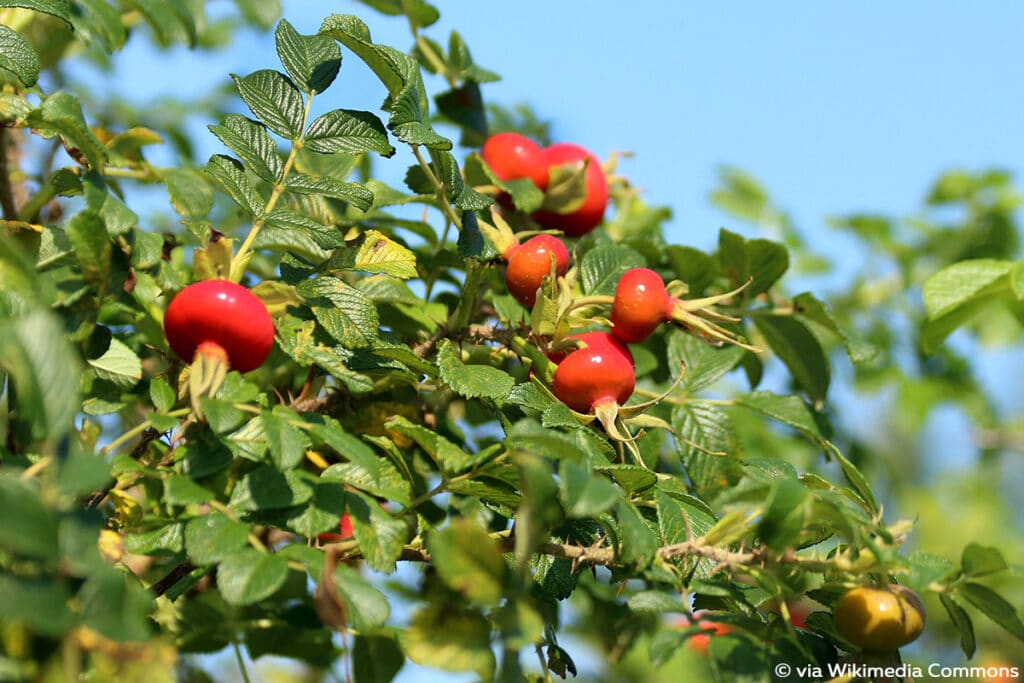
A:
[603, 266]
[353, 193]
[18, 57]
[61, 114]
[706, 439]
[29, 528]
[800, 350]
[692, 266]
[56, 8]
[638, 544]
[471, 381]
[956, 293]
[343, 311]
[266, 488]
[762, 260]
[858, 481]
[251, 142]
[190, 192]
[375, 252]
[167, 539]
[162, 395]
[1017, 280]
[994, 606]
[450, 458]
[585, 494]
[979, 560]
[958, 615]
[231, 175]
[116, 607]
[37, 357]
[312, 61]
[172, 21]
[789, 410]
[451, 638]
[287, 443]
[811, 308]
[119, 365]
[180, 490]
[91, 245]
[349, 131]
[365, 470]
[367, 608]
[380, 536]
[376, 659]
[704, 364]
[681, 519]
[212, 537]
[784, 514]
[469, 561]
[98, 21]
[39, 603]
[322, 513]
[247, 576]
[275, 101]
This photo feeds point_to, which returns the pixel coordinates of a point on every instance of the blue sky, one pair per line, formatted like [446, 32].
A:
[837, 107]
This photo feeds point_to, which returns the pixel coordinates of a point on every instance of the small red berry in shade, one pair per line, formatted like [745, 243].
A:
[701, 641]
[512, 156]
[641, 304]
[530, 262]
[602, 372]
[224, 314]
[344, 526]
[590, 214]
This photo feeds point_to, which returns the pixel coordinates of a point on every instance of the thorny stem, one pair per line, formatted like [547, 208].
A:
[279, 188]
[138, 429]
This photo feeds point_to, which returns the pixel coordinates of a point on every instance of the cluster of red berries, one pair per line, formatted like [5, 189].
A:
[602, 370]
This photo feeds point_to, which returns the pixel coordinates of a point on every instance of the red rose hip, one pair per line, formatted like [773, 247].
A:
[512, 156]
[600, 373]
[641, 304]
[590, 214]
[529, 262]
[224, 314]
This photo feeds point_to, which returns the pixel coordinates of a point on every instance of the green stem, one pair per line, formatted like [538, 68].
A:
[138, 429]
[467, 301]
[276, 193]
[427, 50]
[241, 662]
[438, 186]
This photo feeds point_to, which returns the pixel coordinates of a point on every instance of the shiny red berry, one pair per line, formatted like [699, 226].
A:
[512, 156]
[529, 262]
[222, 313]
[590, 214]
[640, 305]
[601, 372]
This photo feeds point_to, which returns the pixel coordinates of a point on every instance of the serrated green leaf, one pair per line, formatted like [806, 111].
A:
[811, 308]
[267, 488]
[450, 458]
[681, 519]
[287, 443]
[784, 513]
[638, 544]
[789, 410]
[179, 490]
[56, 8]
[312, 61]
[275, 101]
[231, 175]
[322, 513]
[91, 244]
[1017, 280]
[99, 21]
[172, 21]
[452, 638]
[247, 576]
[212, 537]
[800, 350]
[343, 311]
[471, 381]
[633, 478]
[704, 364]
[469, 561]
[119, 364]
[251, 142]
[366, 607]
[61, 114]
[956, 293]
[585, 494]
[380, 536]
[603, 266]
[994, 606]
[167, 539]
[190, 192]
[18, 57]
[364, 470]
[958, 615]
[979, 560]
[353, 193]
[375, 252]
[37, 357]
[349, 131]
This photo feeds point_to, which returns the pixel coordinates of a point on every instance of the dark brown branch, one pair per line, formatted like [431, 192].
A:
[8, 154]
[175, 575]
